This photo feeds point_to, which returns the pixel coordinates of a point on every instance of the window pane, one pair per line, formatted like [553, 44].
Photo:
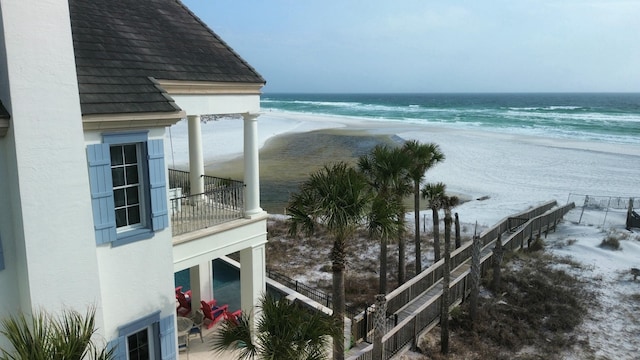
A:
[116, 155]
[117, 175]
[132, 196]
[134, 215]
[121, 217]
[132, 174]
[130, 154]
[118, 197]
[138, 345]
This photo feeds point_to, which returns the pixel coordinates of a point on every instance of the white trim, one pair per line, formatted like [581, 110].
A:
[130, 120]
[177, 87]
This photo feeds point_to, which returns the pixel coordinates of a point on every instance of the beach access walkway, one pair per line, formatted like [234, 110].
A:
[414, 307]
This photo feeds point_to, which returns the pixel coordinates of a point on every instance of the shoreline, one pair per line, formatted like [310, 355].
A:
[512, 171]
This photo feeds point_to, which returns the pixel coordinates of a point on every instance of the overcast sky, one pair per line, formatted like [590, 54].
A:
[433, 46]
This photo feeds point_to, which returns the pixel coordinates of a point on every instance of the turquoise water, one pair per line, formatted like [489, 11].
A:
[611, 118]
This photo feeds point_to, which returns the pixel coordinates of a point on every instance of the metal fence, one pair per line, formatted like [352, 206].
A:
[312, 293]
[601, 210]
[222, 201]
[428, 314]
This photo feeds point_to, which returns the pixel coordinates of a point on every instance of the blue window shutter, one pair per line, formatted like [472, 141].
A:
[157, 185]
[119, 348]
[168, 338]
[1, 256]
[104, 217]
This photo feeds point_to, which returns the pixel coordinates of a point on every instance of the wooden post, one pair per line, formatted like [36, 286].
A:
[629, 211]
[498, 252]
[475, 279]
[457, 222]
[379, 322]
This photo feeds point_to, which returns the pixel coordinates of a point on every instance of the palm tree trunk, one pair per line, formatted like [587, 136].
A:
[444, 315]
[436, 235]
[383, 265]
[338, 259]
[402, 262]
[416, 221]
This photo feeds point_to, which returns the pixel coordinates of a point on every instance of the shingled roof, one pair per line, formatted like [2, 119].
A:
[121, 46]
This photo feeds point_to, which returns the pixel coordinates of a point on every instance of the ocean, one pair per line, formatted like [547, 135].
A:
[608, 117]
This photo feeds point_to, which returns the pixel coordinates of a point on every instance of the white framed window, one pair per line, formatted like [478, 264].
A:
[140, 344]
[128, 187]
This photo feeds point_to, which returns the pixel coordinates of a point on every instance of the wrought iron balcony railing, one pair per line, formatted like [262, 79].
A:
[221, 201]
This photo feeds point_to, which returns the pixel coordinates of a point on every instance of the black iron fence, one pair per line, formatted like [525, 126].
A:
[222, 201]
[310, 292]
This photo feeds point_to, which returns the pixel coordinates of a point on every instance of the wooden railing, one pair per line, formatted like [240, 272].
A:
[428, 315]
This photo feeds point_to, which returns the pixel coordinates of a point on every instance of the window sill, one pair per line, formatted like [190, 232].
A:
[131, 236]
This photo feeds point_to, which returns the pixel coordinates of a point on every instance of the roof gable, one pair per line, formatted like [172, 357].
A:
[122, 45]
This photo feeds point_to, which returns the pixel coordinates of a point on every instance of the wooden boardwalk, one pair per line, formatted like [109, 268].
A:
[413, 312]
[411, 308]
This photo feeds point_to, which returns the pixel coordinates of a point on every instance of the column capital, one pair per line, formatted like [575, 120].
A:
[250, 116]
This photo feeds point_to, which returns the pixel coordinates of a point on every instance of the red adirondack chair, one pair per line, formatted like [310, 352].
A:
[184, 304]
[212, 313]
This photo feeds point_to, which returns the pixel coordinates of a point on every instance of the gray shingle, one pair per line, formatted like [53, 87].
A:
[119, 44]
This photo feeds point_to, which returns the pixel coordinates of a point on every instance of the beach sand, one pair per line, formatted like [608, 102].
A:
[511, 172]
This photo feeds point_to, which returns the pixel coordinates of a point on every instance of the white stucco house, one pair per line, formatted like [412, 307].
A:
[89, 213]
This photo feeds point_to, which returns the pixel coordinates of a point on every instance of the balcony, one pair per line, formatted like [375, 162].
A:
[221, 201]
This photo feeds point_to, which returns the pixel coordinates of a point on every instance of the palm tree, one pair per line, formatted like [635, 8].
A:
[435, 196]
[423, 157]
[338, 198]
[386, 169]
[448, 202]
[285, 330]
[44, 337]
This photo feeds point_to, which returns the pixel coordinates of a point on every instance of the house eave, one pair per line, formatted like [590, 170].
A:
[177, 87]
[130, 120]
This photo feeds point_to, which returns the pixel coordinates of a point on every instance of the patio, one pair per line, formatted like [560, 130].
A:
[199, 350]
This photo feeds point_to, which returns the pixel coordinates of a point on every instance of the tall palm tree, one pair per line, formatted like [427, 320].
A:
[338, 198]
[285, 330]
[42, 336]
[448, 202]
[423, 157]
[435, 195]
[386, 169]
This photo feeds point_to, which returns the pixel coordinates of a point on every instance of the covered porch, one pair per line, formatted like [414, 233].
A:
[214, 217]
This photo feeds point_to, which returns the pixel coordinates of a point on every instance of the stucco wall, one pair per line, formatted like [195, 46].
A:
[54, 257]
[136, 279]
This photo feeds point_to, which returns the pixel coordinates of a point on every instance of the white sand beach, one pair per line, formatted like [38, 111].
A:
[511, 171]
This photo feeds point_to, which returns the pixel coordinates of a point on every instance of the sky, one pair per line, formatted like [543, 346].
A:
[344, 46]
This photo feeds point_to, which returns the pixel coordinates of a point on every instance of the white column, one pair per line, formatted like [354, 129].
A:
[196, 160]
[251, 166]
[252, 276]
[201, 284]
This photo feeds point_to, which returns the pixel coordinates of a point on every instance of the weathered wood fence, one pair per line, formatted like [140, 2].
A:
[523, 228]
